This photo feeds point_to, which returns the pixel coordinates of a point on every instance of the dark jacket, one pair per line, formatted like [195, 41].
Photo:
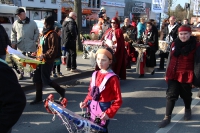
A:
[12, 98]
[50, 48]
[152, 40]
[4, 40]
[173, 33]
[69, 33]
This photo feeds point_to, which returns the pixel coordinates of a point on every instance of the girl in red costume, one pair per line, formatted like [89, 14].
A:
[114, 39]
[182, 72]
[109, 99]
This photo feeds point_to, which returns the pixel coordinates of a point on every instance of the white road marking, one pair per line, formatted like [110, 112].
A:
[177, 117]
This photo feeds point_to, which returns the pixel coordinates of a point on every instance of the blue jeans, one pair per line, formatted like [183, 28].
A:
[3, 57]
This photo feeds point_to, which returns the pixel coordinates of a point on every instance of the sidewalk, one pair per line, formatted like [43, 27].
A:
[83, 65]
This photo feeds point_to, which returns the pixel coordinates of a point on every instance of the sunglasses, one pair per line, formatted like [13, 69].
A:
[113, 23]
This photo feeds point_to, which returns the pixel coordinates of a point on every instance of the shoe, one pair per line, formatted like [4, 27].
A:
[165, 122]
[68, 69]
[75, 70]
[35, 102]
[187, 115]
[60, 74]
[152, 73]
[141, 76]
[55, 76]
[21, 76]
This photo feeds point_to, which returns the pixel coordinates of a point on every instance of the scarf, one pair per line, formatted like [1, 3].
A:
[184, 48]
[27, 20]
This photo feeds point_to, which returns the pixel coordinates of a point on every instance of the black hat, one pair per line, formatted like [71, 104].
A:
[19, 10]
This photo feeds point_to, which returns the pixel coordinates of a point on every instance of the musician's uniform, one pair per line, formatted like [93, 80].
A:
[110, 98]
[130, 36]
[147, 61]
[182, 71]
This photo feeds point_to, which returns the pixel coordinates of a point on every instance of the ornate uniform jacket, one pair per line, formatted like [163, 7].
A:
[130, 33]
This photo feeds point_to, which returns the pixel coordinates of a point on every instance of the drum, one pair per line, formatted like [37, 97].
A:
[163, 46]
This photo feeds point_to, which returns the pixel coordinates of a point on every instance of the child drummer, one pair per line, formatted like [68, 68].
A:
[105, 96]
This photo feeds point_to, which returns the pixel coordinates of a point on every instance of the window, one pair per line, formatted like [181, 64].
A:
[53, 1]
[30, 0]
[42, 0]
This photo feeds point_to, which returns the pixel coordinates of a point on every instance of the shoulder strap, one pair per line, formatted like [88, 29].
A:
[103, 83]
[93, 78]
[46, 35]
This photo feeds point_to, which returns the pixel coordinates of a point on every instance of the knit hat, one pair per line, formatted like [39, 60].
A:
[19, 10]
[184, 28]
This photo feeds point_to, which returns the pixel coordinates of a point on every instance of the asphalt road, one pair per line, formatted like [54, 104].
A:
[143, 108]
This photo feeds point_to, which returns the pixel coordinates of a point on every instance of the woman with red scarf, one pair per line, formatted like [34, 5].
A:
[114, 39]
[148, 59]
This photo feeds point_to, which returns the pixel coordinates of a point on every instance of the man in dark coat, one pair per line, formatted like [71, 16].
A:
[171, 33]
[12, 98]
[4, 39]
[69, 36]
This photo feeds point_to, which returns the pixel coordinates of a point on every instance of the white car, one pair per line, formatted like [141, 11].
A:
[40, 25]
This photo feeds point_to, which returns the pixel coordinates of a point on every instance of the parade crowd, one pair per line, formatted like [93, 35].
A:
[134, 42]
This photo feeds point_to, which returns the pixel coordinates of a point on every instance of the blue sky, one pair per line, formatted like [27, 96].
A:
[182, 2]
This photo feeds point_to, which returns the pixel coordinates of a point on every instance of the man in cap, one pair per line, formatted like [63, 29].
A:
[182, 72]
[24, 34]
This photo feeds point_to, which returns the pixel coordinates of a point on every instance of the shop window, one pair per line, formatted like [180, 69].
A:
[98, 3]
[42, 0]
[53, 1]
[93, 3]
[89, 4]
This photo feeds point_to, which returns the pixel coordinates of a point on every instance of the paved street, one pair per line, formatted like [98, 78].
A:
[143, 108]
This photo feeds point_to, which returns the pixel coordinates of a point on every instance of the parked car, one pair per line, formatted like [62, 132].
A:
[40, 25]
[7, 17]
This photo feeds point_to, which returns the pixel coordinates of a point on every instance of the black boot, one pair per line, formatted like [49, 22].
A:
[38, 98]
[165, 122]
[59, 89]
[187, 115]
[198, 94]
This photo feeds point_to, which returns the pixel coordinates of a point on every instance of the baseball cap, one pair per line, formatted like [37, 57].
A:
[19, 10]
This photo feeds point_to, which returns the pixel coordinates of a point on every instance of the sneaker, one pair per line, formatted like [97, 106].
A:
[55, 76]
[68, 69]
[60, 74]
[187, 115]
[165, 122]
[20, 76]
[75, 70]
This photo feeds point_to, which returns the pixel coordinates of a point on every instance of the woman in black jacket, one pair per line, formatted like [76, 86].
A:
[148, 62]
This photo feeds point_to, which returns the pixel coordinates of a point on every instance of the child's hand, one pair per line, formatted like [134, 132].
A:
[104, 116]
[82, 104]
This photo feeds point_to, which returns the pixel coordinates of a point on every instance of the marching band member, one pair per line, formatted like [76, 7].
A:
[104, 91]
[114, 39]
[182, 72]
[148, 58]
[130, 36]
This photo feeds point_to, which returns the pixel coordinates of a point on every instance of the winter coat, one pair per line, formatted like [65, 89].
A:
[25, 35]
[69, 33]
[4, 40]
[12, 98]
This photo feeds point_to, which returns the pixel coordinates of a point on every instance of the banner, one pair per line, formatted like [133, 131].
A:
[196, 9]
[159, 6]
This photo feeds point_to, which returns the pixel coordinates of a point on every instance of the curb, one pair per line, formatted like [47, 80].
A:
[66, 78]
